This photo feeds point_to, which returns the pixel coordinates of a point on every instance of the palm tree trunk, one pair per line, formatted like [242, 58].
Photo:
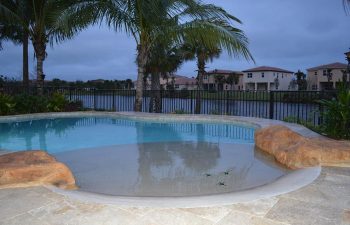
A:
[141, 63]
[40, 51]
[156, 101]
[25, 60]
[201, 72]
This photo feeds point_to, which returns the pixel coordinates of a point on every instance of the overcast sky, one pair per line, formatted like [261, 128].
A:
[295, 34]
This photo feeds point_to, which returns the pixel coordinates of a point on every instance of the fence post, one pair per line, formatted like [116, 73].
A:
[227, 102]
[113, 103]
[95, 99]
[271, 104]
[70, 94]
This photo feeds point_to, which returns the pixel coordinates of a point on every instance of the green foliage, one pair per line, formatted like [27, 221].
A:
[307, 123]
[57, 103]
[7, 104]
[179, 111]
[24, 104]
[336, 114]
[30, 104]
[214, 112]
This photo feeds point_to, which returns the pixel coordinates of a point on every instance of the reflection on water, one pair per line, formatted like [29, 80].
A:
[64, 134]
[170, 169]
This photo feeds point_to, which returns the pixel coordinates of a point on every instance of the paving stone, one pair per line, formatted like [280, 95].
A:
[213, 214]
[239, 218]
[333, 191]
[336, 170]
[141, 211]
[346, 217]
[172, 217]
[73, 212]
[298, 212]
[24, 219]
[256, 208]
[14, 202]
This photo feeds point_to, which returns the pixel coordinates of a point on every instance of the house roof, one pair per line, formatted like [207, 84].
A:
[225, 72]
[182, 80]
[336, 65]
[267, 68]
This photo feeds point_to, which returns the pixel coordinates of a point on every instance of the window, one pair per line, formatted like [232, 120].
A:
[315, 73]
[250, 75]
[205, 77]
[314, 87]
[282, 75]
[262, 75]
[324, 72]
[177, 86]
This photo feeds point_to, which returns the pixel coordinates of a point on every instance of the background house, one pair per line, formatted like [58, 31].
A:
[178, 82]
[318, 76]
[223, 80]
[267, 78]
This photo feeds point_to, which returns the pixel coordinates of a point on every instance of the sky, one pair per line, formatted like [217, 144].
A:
[295, 34]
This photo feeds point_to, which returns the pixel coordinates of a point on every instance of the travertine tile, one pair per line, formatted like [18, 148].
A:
[298, 212]
[239, 218]
[172, 217]
[14, 202]
[213, 214]
[333, 191]
[24, 219]
[256, 208]
[336, 170]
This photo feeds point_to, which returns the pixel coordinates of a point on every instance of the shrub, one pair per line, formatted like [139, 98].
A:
[73, 106]
[57, 102]
[30, 104]
[7, 104]
[179, 111]
[336, 114]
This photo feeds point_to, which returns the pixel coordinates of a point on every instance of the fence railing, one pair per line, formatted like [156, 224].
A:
[292, 106]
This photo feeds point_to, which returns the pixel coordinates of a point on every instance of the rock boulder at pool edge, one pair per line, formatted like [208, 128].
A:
[296, 151]
[34, 168]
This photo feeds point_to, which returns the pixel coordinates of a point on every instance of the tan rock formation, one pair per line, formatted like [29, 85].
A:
[34, 168]
[295, 151]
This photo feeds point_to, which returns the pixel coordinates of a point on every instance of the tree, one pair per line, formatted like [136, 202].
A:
[47, 21]
[17, 32]
[219, 81]
[232, 79]
[231, 39]
[301, 80]
[193, 20]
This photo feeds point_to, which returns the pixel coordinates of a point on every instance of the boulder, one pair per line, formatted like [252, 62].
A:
[34, 168]
[295, 151]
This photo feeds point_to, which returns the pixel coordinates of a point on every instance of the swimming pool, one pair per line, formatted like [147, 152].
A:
[140, 158]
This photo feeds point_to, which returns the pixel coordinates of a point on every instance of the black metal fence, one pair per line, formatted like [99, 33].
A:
[293, 106]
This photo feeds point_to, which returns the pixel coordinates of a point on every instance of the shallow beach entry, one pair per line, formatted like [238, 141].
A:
[138, 158]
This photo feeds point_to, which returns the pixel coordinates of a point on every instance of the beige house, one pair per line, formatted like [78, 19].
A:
[267, 78]
[220, 80]
[325, 76]
[178, 82]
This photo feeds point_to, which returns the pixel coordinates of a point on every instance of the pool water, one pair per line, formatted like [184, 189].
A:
[127, 157]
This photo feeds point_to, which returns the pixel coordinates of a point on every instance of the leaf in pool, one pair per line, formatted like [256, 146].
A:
[221, 184]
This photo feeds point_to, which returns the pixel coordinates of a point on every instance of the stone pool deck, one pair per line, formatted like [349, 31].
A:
[325, 201]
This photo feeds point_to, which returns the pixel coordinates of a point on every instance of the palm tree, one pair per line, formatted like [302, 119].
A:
[46, 22]
[219, 80]
[232, 40]
[142, 19]
[17, 32]
[164, 60]
[232, 79]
